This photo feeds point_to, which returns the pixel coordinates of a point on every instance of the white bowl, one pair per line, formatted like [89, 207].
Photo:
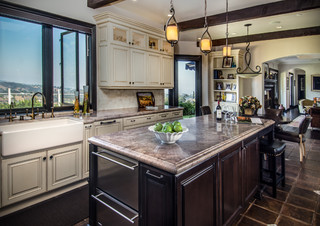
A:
[168, 138]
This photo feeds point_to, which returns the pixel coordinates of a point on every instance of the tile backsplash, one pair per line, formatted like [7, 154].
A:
[124, 98]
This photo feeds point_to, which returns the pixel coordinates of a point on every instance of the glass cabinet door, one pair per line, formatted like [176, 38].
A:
[138, 39]
[120, 34]
[154, 43]
[166, 47]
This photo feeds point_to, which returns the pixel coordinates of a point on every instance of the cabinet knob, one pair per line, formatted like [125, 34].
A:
[129, 43]
[129, 82]
[51, 157]
[44, 158]
[132, 82]
[132, 43]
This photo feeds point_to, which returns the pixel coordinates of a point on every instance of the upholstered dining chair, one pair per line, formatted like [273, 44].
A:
[299, 137]
[274, 114]
[205, 110]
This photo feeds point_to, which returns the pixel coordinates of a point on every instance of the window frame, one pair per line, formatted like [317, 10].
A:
[48, 22]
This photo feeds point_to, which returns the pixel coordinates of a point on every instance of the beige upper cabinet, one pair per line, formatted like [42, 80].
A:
[132, 55]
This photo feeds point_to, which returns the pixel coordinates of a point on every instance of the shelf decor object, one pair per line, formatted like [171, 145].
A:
[248, 72]
[206, 40]
[249, 105]
[227, 49]
[171, 28]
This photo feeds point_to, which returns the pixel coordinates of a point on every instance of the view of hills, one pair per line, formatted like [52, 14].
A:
[19, 87]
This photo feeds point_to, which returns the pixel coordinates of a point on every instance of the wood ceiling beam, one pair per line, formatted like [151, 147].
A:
[269, 36]
[271, 9]
[99, 3]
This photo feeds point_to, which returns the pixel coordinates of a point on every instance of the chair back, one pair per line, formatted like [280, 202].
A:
[304, 125]
[205, 110]
[274, 114]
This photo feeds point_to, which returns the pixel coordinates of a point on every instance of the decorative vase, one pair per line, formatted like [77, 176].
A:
[86, 104]
[249, 111]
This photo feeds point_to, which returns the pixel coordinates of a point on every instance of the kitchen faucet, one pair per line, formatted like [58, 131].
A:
[33, 115]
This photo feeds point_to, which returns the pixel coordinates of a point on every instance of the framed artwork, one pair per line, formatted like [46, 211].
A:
[227, 62]
[145, 99]
[230, 76]
[219, 85]
[234, 86]
[227, 86]
[231, 97]
[315, 82]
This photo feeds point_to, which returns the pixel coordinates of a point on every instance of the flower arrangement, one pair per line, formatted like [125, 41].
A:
[249, 102]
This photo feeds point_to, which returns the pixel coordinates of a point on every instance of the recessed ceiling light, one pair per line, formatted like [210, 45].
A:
[279, 27]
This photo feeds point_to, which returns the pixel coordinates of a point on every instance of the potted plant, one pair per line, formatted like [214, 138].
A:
[249, 105]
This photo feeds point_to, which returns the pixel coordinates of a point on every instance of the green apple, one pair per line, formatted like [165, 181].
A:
[158, 127]
[177, 128]
[168, 124]
[167, 129]
[176, 123]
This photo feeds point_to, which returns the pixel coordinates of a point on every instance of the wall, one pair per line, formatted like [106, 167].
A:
[190, 48]
[263, 51]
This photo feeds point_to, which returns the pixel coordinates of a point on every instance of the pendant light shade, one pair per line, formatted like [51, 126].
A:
[206, 40]
[171, 28]
[248, 72]
[227, 49]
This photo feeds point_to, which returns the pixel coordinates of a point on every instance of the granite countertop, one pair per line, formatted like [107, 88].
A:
[98, 115]
[204, 139]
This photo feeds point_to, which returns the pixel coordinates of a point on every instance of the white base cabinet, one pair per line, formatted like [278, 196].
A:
[88, 131]
[23, 177]
[33, 174]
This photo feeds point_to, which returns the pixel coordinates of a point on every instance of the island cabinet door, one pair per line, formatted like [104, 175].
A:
[197, 196]
[251, 168]
[156, 206]
[230, 184]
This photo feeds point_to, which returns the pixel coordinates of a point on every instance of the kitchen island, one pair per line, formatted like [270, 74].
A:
[205, 178]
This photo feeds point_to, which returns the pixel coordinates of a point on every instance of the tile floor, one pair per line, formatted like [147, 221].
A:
[298, 203]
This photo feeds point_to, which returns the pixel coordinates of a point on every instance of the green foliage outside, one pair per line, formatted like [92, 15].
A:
[21, 104]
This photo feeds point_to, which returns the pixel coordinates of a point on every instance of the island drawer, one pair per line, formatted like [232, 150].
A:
[176, 114]
[115, 174]
[145, 119]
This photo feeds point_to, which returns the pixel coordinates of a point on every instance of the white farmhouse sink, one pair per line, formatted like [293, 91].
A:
[35, 135]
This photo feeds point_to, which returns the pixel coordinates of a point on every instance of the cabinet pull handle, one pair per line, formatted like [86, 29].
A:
[149, 118]
[116, 162]
[163, 116]
[176, 113]
[51, 157]
[88, 126]
[131, 220]
[152, 175]
[44, 158]
[133, 120]
[109, 122]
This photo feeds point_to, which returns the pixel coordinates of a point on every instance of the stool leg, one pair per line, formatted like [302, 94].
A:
[274, 175]
[261, 167]
[283, 169]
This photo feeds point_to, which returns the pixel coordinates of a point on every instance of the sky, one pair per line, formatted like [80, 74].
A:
[21, 53]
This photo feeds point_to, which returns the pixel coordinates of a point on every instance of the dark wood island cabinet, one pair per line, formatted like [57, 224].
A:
[181, 186]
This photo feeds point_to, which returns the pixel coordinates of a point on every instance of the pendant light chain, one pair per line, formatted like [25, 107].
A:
[205, 14]
[227, 19]
[171, 4]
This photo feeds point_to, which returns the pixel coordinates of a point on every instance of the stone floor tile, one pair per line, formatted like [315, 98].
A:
[261, 214]
[302, 202]
[270, 204]
[285, 221]
[297, 213]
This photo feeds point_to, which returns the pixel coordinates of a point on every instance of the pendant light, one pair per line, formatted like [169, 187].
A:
[227, 49]
[206, 40]
[171, 28]
[248, 72]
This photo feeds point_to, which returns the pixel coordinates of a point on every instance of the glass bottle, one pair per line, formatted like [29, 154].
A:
[76, 109]
[219, 112]
[86, 105]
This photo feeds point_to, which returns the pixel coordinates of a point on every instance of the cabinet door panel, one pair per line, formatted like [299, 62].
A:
[63, 166]
[23, 177]
[167, 72]
[251, 169]
[120, 67]
[197, 198]
[156, 195]
[88, 132]
[154, 69]
[231, 186]
[138, 67]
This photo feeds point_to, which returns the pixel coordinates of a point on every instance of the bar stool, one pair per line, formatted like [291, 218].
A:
[272, 150]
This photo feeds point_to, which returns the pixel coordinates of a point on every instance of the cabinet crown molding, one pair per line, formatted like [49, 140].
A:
[111, 17]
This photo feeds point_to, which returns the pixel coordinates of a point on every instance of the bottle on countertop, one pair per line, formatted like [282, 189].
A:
[218, 112]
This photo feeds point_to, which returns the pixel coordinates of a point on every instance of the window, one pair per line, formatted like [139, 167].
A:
[52, 55]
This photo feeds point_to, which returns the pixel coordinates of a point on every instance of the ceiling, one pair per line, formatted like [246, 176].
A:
[156, 12]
